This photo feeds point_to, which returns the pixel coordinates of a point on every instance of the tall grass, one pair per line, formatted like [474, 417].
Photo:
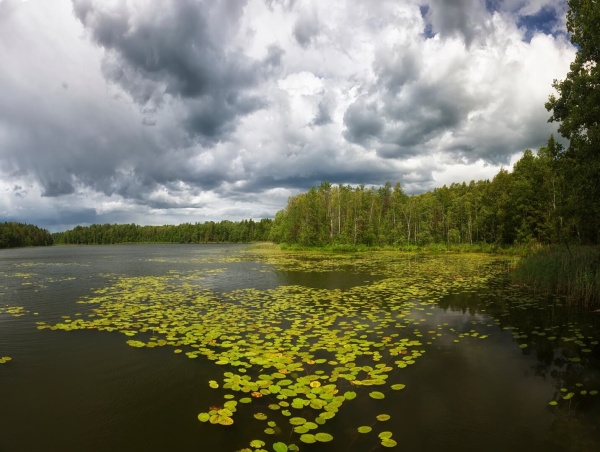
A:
[574, 272]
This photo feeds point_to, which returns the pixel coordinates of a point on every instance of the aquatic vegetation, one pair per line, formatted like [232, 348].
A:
[293, 356]
[15, 311]
[574, 272]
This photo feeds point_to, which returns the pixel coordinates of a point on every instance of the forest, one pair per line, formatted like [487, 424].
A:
[13, 234]
[526, 206]
[209, 232]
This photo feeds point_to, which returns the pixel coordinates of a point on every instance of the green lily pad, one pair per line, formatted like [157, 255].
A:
[376, 395]
[388, 442]
[350, 395]
[280, 447]
[323, 437]
[297, 420]
[308, 438]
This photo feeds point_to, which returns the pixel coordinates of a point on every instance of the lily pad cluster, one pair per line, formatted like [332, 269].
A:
[15, 311]
[292, 357]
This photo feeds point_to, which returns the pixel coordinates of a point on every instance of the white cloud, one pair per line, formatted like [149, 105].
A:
[190, 111]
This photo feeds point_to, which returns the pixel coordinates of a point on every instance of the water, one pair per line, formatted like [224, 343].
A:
[89, 390]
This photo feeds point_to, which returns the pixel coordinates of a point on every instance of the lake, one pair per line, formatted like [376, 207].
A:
[233, 347]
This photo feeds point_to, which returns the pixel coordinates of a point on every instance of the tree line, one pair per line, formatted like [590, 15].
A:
[209, 232]
[531, 204]
[13, 234]
[551, 197]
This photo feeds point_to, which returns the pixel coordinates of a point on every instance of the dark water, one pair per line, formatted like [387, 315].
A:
[90, 391]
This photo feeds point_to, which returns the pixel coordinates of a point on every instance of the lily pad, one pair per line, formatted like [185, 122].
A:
[308, 438]
[280, 447]
[376, 395]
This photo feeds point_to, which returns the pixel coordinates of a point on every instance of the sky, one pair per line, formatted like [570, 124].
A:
[175, 111]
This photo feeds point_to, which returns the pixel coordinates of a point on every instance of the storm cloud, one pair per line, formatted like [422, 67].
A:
[190, 110]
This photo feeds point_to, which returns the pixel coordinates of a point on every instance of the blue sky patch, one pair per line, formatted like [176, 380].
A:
[544, 21]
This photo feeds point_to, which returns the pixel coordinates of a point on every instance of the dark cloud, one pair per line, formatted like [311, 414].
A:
[179, 52]
[19, 191]
[306, 29]
[323, 117]
[363, 122]
[450, 18]
[395, 151]
[427, 111]
[394, 71]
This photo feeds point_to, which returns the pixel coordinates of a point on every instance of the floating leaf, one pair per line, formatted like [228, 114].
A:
[350, 395]
[225, 420]
[297, 420]
[388, 442]
[308, 438]
[323, 437]
[383, 417]
[364, 429]
[280, 447]
[376, 395]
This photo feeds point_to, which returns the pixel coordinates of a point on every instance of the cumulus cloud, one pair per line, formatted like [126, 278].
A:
[189, 110]
[180, 53]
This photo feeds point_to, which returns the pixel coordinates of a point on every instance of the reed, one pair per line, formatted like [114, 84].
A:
[570, 271]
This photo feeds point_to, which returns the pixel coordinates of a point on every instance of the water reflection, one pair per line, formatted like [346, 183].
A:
[560, 344]
[342, 280]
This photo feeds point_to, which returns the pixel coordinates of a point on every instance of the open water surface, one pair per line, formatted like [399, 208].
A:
[88, 390]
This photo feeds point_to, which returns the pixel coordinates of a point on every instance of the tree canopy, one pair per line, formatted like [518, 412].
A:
[521, 207]
[13, 234]
[576, 106]
[209, 232]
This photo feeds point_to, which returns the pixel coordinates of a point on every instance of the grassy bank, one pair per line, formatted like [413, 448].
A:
[574, 272]
[437, 248]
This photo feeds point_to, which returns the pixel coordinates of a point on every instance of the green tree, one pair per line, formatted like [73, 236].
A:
[577, 109]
